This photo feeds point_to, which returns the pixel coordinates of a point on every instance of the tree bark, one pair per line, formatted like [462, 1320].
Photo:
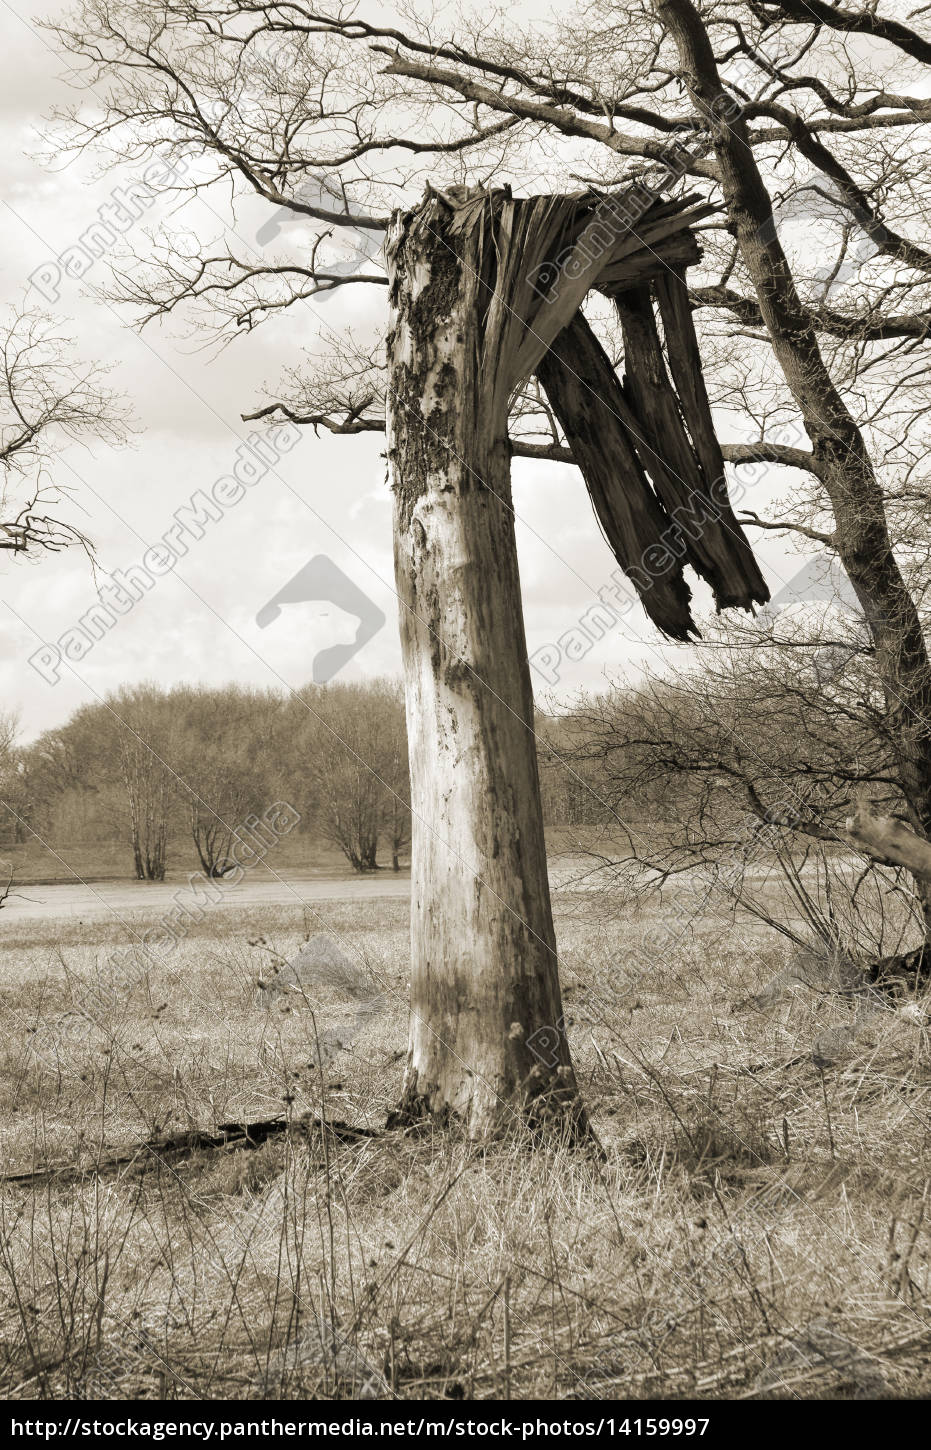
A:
[891, 842]
[841, 457]
[487, 1045]
[586, 396]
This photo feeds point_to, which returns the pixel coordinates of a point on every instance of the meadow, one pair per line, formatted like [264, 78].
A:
[753, 1222]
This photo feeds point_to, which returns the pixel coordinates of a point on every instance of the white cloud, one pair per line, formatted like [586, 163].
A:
[328, 495]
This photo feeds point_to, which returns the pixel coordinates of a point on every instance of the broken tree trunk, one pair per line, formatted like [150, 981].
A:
[715, 543]
[485, 993]
[621, 436]
[724, 538]
[480, 286]
[586, 397]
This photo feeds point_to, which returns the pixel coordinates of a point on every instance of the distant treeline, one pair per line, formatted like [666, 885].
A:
[181, 770]
[184, 769]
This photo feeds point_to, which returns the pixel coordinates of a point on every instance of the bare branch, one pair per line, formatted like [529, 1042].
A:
[46, 401]
[851, 22]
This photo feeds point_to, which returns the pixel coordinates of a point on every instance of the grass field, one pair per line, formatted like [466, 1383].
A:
[757, 1225]
[36, 861]
[299, 854]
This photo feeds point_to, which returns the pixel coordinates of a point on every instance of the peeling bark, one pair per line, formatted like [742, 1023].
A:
[487, 1044]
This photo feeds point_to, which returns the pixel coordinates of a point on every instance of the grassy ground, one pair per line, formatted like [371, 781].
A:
[65, 861]
[301, 853]
[756, 1227]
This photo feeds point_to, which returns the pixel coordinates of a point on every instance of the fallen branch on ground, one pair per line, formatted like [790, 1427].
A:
[227, 1138]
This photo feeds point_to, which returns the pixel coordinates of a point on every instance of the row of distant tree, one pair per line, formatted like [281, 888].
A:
[768, 729]
[178, 771]
[182, 769]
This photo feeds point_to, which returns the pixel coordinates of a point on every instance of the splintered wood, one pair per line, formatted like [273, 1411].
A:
[646, 444]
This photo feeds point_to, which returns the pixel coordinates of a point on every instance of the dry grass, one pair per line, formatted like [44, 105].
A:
[757, 1225]
[302, 853]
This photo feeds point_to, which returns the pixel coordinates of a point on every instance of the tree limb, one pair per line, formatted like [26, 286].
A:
[853, 22]
[564, 120]
[823, 319]
[889, 841]
[355, 421]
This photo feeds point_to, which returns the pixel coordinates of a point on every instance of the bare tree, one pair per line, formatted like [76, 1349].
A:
[338, 121]
[394, 768]
[753, 783]
[355, 762]
[774, 111]
[222, 764]
[840, 454]
[759, 745]
[145, 729]
[10, 794]
[9, 730]
[46, 400]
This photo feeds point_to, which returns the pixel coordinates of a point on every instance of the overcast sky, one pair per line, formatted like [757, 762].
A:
[324, 496]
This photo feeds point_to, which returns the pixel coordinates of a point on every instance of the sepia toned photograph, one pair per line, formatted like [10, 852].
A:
[465, 718]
